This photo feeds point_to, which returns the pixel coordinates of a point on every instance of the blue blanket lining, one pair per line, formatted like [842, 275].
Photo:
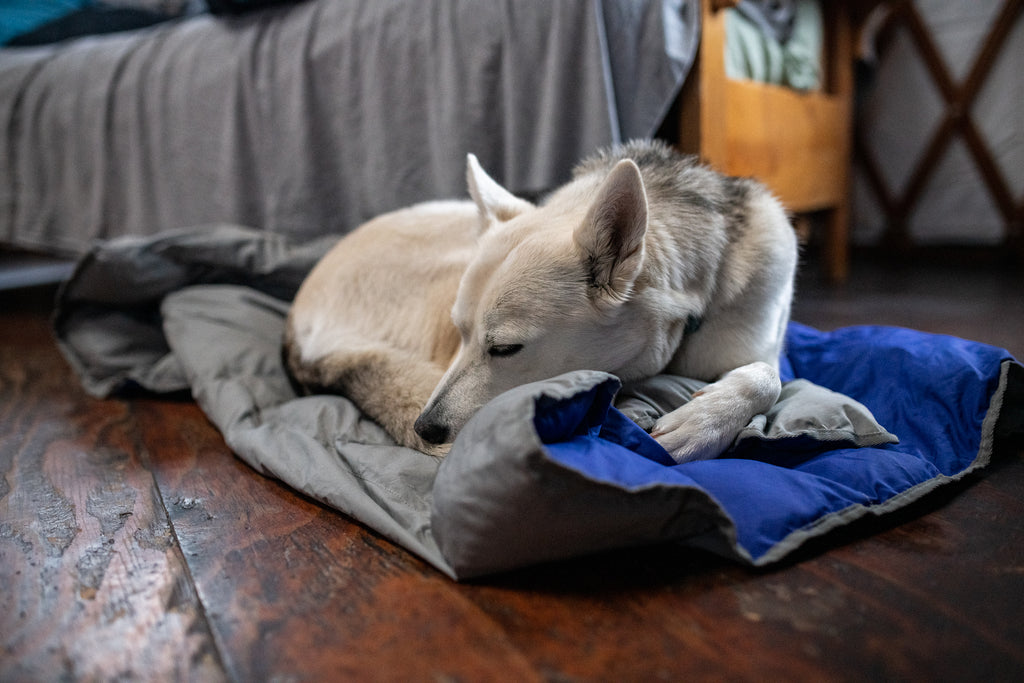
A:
[932, 391]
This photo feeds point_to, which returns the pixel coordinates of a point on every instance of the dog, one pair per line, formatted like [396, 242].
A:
[645, 262]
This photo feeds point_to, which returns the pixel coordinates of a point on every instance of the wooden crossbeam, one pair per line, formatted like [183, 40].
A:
[956, 121]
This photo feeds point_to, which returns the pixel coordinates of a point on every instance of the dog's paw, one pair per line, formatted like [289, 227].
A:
[696, 432]
[706, 426]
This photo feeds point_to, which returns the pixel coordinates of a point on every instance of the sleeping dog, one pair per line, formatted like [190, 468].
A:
[644, 263]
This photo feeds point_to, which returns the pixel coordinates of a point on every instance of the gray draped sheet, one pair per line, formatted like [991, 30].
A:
[308, 119]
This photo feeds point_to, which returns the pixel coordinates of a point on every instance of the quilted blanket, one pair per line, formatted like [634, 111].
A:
[870, 420]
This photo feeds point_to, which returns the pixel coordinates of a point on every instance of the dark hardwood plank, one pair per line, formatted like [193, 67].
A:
[978, 301]
[92, 584]
[894, 600]
[134, 544]
[294, 589]
[932, 598]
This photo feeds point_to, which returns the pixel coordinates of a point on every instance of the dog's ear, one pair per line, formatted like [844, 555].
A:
[611, 238]
[494, 201]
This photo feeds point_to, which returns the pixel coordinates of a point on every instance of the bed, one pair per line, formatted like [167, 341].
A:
[260, 118]
[310, 117]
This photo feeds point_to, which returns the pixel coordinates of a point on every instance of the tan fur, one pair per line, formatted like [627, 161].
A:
[365, 322]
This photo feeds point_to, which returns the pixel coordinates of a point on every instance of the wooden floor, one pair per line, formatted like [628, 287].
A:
[134, 546]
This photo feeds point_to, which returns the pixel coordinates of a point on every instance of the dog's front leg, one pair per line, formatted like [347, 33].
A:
[708, 424]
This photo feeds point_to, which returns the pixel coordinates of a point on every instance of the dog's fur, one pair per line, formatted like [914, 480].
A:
[644, 263]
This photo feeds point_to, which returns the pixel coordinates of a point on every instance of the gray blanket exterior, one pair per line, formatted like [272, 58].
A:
[229, 341]
[309, 119]
[204, 310]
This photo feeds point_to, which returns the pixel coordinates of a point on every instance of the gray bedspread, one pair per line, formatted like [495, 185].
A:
[311, 118]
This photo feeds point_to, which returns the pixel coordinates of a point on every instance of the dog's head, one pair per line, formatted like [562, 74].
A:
[547, 292]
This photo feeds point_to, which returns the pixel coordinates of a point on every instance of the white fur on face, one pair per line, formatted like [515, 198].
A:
[547, 291]
[528, 290]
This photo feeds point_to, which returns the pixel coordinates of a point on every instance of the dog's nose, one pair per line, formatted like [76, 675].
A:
[431, 432]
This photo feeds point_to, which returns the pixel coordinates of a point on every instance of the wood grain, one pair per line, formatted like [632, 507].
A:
[92, 583]
[797, 143]
[134, 545]
[283, 577]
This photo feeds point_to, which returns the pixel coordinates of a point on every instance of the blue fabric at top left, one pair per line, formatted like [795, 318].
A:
[21, 16]
[932, 391]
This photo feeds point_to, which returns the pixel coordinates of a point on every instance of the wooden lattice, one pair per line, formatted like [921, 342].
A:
[955, 122]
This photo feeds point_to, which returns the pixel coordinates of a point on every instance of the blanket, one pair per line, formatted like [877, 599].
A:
[552, 469]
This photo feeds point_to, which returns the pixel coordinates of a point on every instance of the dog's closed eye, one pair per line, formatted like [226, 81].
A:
[504, 350]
